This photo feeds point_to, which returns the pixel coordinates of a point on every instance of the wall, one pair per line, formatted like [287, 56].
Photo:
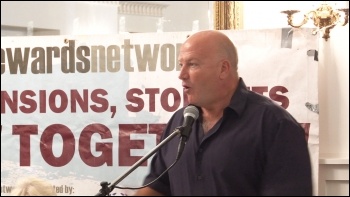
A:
[69, 17]
[102, 18]
[72, 17]
[334, 114]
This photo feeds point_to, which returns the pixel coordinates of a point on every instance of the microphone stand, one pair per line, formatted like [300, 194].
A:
[105, 190]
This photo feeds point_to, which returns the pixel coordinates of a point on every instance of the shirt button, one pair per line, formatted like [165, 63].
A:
[199, 177]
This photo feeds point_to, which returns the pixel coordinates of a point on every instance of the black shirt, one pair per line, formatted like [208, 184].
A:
[257, 148]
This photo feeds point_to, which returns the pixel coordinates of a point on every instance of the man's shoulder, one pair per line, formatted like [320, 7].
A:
[265, 103]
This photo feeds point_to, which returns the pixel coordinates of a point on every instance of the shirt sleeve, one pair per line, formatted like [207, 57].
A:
[287, 170]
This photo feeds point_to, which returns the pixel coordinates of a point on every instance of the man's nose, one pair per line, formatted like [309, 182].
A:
[183, 73]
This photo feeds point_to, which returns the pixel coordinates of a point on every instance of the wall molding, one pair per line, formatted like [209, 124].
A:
[137, 8]
[333, 180]
[141, 8]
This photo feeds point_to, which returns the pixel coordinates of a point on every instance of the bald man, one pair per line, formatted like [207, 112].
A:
[242, 144]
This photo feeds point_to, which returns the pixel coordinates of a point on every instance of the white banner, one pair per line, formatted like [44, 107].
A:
[79, 110]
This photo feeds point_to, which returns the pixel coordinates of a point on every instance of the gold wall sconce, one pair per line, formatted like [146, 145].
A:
[324, 18]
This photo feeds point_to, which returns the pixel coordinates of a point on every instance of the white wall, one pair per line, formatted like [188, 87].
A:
[182, 14]
[101, 18]
[72, 17]
[334, 114]
[69, 17]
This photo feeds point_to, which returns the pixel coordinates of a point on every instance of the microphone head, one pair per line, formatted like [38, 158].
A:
[192, 111]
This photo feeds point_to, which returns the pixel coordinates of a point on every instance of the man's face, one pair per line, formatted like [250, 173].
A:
[199, 72]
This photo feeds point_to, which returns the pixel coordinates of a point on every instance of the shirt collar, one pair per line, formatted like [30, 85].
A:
[239, 98]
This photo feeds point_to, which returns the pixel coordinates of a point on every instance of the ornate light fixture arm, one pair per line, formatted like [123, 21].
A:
[346, 17]
[290, 14]
[323, 17]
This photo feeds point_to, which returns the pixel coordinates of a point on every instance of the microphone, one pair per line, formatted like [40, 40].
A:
[191, 113]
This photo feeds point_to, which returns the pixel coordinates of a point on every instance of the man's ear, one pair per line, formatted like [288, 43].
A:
[225, 69]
